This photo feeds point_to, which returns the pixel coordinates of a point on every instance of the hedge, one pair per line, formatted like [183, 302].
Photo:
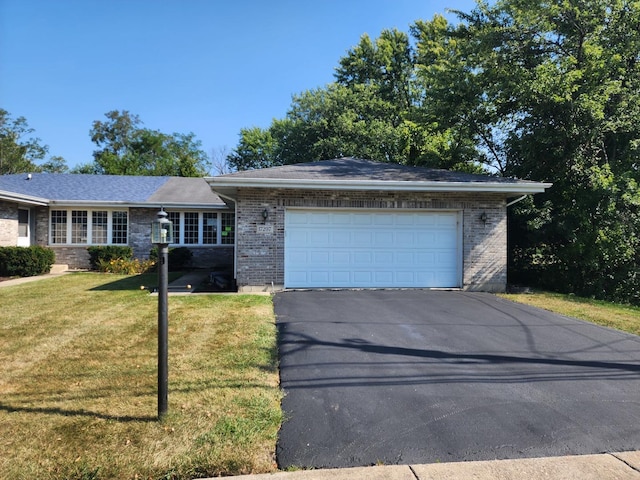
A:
[25, 261]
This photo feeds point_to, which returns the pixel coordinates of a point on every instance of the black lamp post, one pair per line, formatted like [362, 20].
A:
[162, 236]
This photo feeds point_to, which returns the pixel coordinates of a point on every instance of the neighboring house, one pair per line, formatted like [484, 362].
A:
[344, 223]
[350, 223]
[68, 212]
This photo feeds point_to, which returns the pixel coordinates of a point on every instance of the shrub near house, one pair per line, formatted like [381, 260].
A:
[25, 262]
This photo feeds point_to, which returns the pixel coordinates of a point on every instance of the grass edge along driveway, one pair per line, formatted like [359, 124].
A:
[606, 314]
[78, 382]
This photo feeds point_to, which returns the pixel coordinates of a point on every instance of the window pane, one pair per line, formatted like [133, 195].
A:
[79, 224]
[174, 217]
[99, 227]
[23, 223]
[191, 227]
[58, 226]
[119, 228]
[228, 226]
[210, 228]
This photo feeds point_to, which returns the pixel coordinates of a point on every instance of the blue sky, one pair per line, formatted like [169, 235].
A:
[210, 67]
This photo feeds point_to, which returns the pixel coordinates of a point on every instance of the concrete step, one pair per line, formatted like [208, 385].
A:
[59, 268]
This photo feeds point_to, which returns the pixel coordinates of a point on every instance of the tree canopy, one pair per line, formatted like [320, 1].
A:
[546, 91]
[20, 152]
[125, 148]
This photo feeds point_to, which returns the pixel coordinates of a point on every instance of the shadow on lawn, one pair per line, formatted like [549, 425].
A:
[135, 282]
[74, 413]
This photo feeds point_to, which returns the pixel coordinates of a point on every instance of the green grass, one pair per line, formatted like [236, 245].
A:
[78, 382]
[620, 317]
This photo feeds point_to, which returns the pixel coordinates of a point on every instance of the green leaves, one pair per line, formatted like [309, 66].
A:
[127, 149]
[19, 152]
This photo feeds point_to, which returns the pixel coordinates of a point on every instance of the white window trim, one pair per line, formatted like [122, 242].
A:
[89, 225]
[180, 240]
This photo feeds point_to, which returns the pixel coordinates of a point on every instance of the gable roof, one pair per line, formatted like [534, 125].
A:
[108, 190]
[358, 174]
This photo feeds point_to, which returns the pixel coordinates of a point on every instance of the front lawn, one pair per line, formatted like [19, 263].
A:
[621, 317]
[78, 382]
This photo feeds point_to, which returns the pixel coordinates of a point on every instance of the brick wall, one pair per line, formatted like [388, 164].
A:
[260, 257]
[8, 224]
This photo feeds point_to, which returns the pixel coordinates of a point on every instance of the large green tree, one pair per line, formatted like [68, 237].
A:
[551, 91]
[125, 148]
[20, 152]
[372, 110]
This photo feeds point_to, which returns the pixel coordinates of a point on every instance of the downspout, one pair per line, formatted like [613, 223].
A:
[517, 200]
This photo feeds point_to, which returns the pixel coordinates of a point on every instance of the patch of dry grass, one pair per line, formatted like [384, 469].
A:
[621, 317]
[78, 382]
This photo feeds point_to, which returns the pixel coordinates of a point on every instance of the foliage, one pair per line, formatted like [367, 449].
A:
[550, 91]
[372, 110]
[122, 266]
[179, 257]
[100, 255]
[25, 261]
[20, 153]
[125, 148]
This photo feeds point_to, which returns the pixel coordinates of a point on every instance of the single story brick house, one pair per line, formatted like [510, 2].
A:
[342, 223]
[352, 223]
[69, 212]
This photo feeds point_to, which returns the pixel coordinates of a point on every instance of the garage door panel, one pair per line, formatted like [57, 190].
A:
[383, 278]
[362, 258]
[405, 259]
[318, 257]
[384, 239]
[384, 219]
[361, 219]
[371, 249]
[362, 239]
[404, 240]
[363, 278]
[339, 238]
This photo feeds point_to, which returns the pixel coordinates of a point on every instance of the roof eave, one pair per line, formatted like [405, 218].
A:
[24, 199]
[384, 185]
[117, 204]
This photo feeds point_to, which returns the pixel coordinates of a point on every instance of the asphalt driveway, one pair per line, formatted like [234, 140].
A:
[414, 376]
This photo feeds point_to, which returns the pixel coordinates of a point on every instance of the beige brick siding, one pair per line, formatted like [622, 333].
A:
[260, 256]
[8, 224]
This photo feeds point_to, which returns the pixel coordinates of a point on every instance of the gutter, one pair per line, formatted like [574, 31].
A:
[27, 199]
[421, 186]
[94, 203]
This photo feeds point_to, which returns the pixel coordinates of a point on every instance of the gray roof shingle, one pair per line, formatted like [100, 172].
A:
[110, 188]
[363, 170]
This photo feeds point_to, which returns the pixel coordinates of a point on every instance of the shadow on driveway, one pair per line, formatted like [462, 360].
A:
[414, 376]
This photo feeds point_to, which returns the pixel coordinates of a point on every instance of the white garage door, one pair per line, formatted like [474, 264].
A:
[371, 249]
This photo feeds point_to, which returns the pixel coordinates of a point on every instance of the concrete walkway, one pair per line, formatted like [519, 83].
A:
[614, 466]
[21, 280]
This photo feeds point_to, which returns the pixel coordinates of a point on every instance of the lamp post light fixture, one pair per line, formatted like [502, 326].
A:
[162, 236]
